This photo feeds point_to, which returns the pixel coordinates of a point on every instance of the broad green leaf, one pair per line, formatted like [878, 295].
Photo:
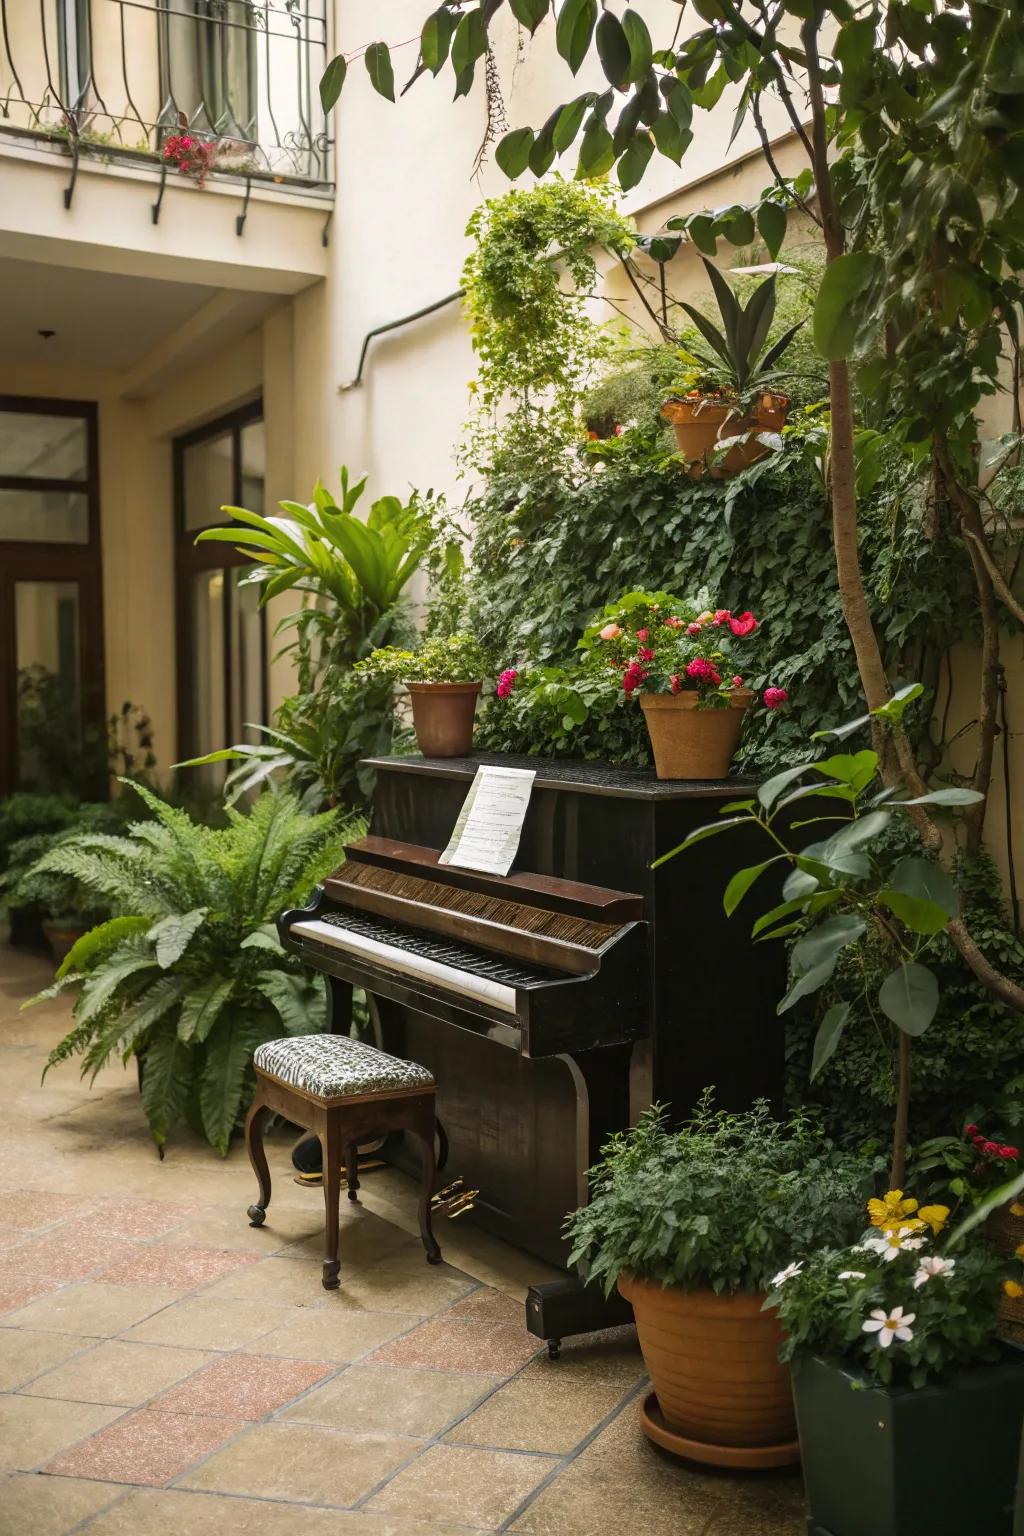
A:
[809, 982]
[699, 834]
[166, 1081]
[597, 153]
[570, 120]
[223, 1082]
[771, 226]
[799, 884]
[635, 161]
[98, 943]
[298, 1000]
[894, 710]
[816, 901]
[827, 1038]
[825, 941]
[201, 1006]
[856, 769]
[835, 860]
[542, 157]
[909, 996]
[172, 935]
[741, 882]
[469, 42]
[844, 301]
[574, 30]
[738, 227]
[513, 153]
[332, 80]
[948, 796]
[99, 989]
[641, 49]
[677, 99]
[920, 916]
[926, 881]
[530, 13]
[613, 49]
[856, 834]
[772, 788]
[378, 66]
[436, 38]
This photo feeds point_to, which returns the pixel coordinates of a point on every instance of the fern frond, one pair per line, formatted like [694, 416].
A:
[299, 1000]
[86, 952]
[101, 987]
[124, 1031]
[227, 1076]
[201, 1007]
[167, 1080]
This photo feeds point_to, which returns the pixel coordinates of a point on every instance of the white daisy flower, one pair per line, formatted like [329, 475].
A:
[893, 1325]
[931, 1266]
[786, 1274]
[894, 1243]
[852, 1274]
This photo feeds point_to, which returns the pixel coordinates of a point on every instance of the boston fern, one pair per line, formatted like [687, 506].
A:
[188, 974]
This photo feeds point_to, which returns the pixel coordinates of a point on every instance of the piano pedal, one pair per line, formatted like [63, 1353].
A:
[453, 1200]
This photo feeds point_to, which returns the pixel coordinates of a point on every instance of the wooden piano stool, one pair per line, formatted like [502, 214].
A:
[343, 1091]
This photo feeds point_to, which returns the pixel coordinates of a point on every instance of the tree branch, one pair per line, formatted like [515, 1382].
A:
[664, 329]
[995, 575]
[766, 150]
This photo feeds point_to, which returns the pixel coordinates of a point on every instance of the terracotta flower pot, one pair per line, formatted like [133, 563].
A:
[692, 743]
[442, 715]
[1007, 1234]
[701, 422]
[722, 1395]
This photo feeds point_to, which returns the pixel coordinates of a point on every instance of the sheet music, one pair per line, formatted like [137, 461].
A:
[490, 824]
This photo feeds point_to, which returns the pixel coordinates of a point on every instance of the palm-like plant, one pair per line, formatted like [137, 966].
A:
[188, 975]
[737, 353]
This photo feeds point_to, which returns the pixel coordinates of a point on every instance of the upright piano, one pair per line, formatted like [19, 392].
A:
[554, 1004]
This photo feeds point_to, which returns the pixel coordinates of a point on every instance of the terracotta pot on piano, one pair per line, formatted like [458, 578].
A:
[720, 1394]
[442, 714]
[692, 743]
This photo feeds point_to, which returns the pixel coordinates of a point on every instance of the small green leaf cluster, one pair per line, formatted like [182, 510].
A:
[442, 659]
[943, 1303]
[188, 974]
[719, 1204]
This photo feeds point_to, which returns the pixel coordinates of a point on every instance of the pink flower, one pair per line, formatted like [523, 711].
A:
[645, 653]
[701, 671]
[633, 676]
[721, 616]
[774, 698]
[693, 629]
[642, 634]
[674, 683]
[611, 632]
[673, 623]
[506, 682]
[1010, 1153]
[743, 624]
[990, 1149]
[737, 682]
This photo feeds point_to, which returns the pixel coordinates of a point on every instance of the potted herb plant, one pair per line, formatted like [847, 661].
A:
[444, 679]
[909, 1411]
[683, 662]
[693, 1224]
[730, 388]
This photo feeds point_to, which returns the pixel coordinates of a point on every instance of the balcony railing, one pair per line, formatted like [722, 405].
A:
[126, 80]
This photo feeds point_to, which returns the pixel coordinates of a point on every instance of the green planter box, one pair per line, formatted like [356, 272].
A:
[941, 1461]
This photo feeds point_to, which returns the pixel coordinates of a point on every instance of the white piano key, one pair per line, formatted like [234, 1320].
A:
[409, 963]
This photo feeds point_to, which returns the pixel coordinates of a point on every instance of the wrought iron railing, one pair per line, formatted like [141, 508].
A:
[204, 88]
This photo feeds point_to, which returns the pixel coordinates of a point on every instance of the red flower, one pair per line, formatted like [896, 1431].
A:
[673, 623]
[506, 682]
[774, 698]
[977, 1141]
[693, 629]
[743, 624]
[1010, 1153]
[642, 634]
[674, 683]
[990, 1148]
[970, 1131]
[645, 653]
[721, 616]
[737, 682]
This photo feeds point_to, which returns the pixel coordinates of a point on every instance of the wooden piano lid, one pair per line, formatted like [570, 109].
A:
[585, 778]
[593, 901]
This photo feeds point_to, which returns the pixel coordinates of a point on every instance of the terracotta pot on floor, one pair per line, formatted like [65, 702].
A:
[720, 1394]
[442, 714]
[692, 743]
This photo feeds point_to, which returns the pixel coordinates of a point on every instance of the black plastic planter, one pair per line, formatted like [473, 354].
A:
[941, 1461]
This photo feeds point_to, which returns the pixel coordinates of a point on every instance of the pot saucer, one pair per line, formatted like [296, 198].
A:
[746, 1457]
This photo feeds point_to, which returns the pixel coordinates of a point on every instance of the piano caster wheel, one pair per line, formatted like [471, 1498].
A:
[330, 1280]
[257, 1215]
[554, 1349]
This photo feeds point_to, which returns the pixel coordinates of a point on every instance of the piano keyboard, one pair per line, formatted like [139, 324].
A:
[457, 968]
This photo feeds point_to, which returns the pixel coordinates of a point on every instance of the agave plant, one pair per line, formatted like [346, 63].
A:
[188, 975]
[737, 353]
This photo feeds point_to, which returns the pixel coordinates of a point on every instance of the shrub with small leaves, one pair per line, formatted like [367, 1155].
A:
[445, 659]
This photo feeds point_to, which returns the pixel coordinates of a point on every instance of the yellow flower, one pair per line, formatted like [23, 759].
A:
[1013, 1290]
[936, 1216]
[891, 1213]
[1018, 1252]
[1016, 1209]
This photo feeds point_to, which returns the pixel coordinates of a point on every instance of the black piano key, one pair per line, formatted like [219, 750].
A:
[463, 957]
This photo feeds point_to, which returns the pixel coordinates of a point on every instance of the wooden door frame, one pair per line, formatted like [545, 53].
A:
[37, 560]
[191, 558]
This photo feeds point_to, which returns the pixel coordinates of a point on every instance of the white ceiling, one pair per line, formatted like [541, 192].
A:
[100, 320]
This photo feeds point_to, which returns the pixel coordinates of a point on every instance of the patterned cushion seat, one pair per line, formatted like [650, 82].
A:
[333, 1066]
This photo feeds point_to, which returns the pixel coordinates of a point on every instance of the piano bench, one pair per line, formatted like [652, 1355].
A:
[343, 1091]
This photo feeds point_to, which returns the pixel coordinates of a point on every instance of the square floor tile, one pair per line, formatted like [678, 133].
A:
[499, 1348]
[401, 1402]
[334, 1333]
[489, 1306]
[611, 1358]
[243, 1386]
[302, 1462]
[24, 1355]
[230, 1229]
[98, 1309]
[451, 1482]
[118, 1372]
[32, 1430]
[145, 1447]
[32, 1505]
[157, 1511]
[201, 1322]
[31, 1208]
[177, 1265]
[538, 1415]
[140, 1218]
[403, 1284]
[15, 1294]
[69, 1253]
[295, 1281]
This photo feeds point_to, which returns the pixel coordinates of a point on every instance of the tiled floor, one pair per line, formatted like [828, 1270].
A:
[165, 1367]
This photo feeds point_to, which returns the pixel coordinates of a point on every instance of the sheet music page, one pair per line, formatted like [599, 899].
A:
[490, 824]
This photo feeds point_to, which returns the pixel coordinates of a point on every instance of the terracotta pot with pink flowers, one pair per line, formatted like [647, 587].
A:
[685, 663]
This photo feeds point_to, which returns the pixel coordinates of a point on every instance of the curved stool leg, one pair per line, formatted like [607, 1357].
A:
[424, 1133]
[352, 1169]
[442, 1147]
[254, 1123]
[332, 1197]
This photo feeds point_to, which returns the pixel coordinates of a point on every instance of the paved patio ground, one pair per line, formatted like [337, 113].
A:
[166, 1368]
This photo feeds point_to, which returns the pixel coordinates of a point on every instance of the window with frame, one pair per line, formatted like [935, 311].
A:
[52, 706]
[222, 634]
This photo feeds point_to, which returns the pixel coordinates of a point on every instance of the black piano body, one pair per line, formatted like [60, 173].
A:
[555, 1004]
